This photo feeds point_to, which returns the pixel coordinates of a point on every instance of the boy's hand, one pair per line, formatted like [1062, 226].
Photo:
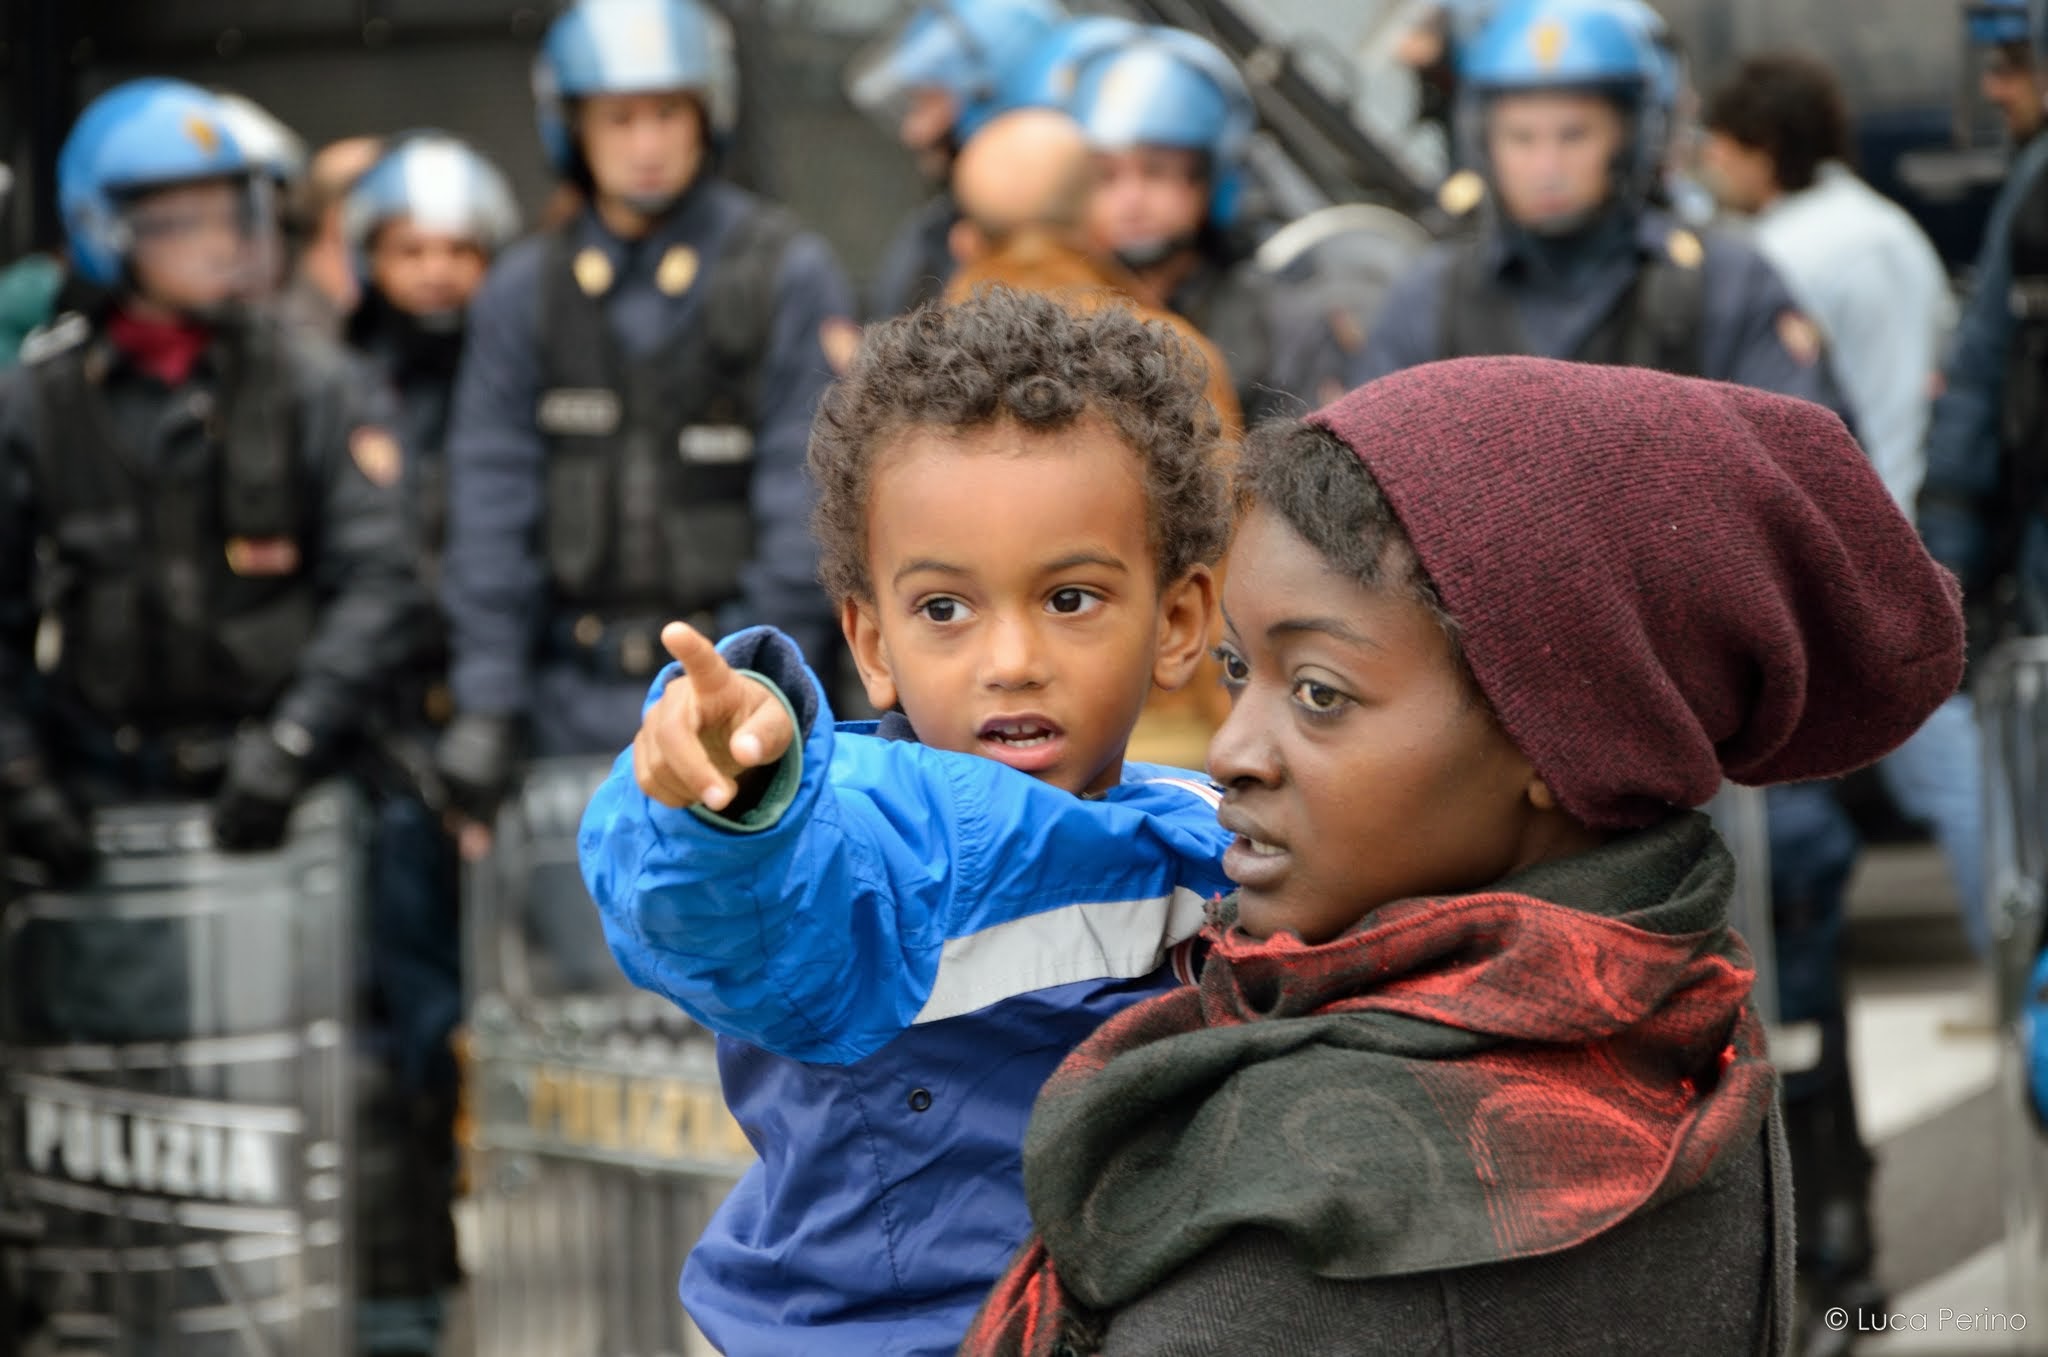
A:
[708, 727]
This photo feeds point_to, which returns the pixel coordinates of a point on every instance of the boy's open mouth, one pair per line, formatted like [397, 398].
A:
[1026, 741]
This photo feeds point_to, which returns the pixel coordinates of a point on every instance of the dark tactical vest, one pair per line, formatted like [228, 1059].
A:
[184, 591]
[650, 461]
[1655, 323]
[2023, 416]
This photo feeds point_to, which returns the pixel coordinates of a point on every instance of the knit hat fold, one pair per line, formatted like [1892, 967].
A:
[1660, 581]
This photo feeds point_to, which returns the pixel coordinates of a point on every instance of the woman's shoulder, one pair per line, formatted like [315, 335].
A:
[1692, 1275]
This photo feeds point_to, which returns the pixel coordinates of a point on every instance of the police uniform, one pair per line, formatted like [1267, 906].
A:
[918, 261]
[1982, 509]
[627, 446]
[217, 552]
[1700, 304]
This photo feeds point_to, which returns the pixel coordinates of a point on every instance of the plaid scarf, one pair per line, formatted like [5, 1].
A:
[1457, 1081]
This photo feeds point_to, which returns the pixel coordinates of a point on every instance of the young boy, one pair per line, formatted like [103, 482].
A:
[1018, 509]
[1471, 1066]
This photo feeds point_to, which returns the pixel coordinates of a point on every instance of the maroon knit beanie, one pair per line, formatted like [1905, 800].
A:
[1660, 581]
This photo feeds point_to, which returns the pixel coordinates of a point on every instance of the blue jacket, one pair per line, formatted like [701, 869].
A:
[1963, 445]
[495, 575]
[1741, 327]
[894, 965]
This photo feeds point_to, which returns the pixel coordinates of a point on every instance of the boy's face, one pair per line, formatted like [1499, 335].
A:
[1017, 612]
[1358, 767]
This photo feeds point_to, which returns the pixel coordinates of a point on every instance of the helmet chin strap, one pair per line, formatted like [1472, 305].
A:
[1150, 254]
[650, 205]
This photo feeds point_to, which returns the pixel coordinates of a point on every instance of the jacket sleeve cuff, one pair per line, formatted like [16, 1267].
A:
[782, 790]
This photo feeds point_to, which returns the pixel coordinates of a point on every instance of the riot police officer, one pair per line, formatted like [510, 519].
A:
[205, 579]
[196, 501]
[1573, 262]
[633, 405]
[936, 80]
[1170, 119]
[422, 225]
[1984, 504]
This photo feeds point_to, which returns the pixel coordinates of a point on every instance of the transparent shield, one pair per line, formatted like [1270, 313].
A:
[176, 1041]
[597, 1129]
[2012, 708]
[1738, 813]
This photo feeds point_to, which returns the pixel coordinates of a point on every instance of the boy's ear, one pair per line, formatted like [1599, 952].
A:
[1187, 619]
[870, 656]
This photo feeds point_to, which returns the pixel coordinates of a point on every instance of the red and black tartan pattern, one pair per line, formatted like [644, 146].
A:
[1459, 1082]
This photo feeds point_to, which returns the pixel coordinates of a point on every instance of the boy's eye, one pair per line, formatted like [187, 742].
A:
[1319, 698]
[1073, 602]
[1235, 670]
[942, 610]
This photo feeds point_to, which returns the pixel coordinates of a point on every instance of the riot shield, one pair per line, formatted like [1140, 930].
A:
[2012, 709]
[1738, 813]
[599, 1141]
[176, 1041]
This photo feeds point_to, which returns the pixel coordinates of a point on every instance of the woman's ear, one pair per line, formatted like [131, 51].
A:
[870, 654]
[1540, 795]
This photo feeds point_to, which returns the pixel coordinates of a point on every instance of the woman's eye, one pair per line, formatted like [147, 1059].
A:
[1235, 670]
[1318, 697]
[942, 610]
[1073, 602]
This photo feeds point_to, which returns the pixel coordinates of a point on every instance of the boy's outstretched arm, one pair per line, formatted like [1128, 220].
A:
[855, 886]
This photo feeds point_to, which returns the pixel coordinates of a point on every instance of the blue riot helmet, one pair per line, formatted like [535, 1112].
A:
[1049, 74]
[1998, 23]
[632, 47]
[439, 183]
[142, 135]
[271, 147]
[1571, 46]
[959, 48]
[1167, 87]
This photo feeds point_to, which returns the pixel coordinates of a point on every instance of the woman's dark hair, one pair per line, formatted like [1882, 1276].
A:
[1306, 475]
[1788, 106]
[1012, 356]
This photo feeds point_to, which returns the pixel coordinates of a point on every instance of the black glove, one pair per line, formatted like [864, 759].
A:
[255, 801]
[476, 758]
[43, 826]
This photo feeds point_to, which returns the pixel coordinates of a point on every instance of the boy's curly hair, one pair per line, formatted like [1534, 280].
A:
[1005, 355]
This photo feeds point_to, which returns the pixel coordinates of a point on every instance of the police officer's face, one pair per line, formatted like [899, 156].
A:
[642, 147]
[2009, 83]
[1553, 154]
[1017, 612]
[1146, 195]
[425, 273]
[194, 245]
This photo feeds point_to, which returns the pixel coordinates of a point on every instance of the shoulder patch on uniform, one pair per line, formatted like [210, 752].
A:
[376, 454]
[840, 339]
[60, 335]
[1801, 337]
[1685, 249]
[1461, 193]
